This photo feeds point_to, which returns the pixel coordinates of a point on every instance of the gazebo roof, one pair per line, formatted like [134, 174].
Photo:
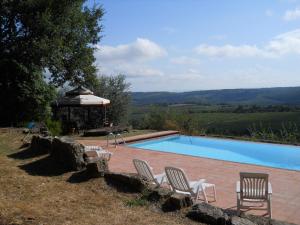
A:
[79, 91]
[81, 96]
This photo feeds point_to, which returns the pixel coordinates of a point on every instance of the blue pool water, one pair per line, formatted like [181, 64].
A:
[263, 154]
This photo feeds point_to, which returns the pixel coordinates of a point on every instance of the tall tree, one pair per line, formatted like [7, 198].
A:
[57, 35]
[116, 89]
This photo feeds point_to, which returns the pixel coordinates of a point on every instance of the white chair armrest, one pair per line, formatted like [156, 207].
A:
[196, 183]
[160, 175]
[238, 187]
[270, 188]
[104, 154]
[160, 178]
[207, 185]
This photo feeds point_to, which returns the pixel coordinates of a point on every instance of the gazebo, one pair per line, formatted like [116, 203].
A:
[82, 98]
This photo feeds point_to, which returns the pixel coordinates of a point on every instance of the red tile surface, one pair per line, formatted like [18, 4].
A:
[285, 183]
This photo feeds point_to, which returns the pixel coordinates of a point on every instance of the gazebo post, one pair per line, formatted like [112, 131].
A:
[104, 114]
[89, 110]
[69, 113]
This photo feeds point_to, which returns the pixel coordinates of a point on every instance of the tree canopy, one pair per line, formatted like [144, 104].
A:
[44, 35]
[53, 34]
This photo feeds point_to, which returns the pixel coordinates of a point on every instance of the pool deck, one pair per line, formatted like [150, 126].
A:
[150, 135]
[285, 183]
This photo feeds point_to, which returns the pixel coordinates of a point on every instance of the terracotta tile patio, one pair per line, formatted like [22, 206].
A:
[285, 183]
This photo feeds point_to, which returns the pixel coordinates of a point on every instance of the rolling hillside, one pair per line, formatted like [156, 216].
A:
[261, 96]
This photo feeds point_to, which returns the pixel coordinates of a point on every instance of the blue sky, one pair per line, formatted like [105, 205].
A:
[182, 45]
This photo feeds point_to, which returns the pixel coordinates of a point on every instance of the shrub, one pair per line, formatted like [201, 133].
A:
[54, 127]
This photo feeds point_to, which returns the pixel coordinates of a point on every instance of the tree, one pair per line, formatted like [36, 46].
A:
[35, 35]
[24, 95]
[116, 89]
[54, 34]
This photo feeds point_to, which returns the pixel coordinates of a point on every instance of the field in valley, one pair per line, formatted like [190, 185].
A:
[221, 120]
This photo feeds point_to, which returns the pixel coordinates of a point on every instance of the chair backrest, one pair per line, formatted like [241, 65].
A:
[143, 169]
[254, 185]
[177, 179]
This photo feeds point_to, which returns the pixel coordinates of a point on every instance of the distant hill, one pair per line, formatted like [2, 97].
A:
[259, 96]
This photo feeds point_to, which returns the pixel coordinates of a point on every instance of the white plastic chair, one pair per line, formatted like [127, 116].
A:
[180, 184]
[254, 188]
[100, 151]
[144, 170]
[93, 148]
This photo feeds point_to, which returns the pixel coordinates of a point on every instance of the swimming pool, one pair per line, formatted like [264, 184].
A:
[263, 154]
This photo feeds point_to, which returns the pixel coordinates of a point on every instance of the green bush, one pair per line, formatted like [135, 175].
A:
[54, 127]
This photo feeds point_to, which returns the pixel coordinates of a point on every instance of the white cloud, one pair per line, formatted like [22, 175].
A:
[184, 60]
[141, 49]
[142, 71]
[131, 70]
[286, 43]
[130, 59]
[292, 14]
[228, 50]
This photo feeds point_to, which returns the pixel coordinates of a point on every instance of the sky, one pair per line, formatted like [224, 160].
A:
[184, 45]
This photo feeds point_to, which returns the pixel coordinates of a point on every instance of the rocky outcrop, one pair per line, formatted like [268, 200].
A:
[64, 150]
[241, 221]
[126, 182]
[157, 194]
[176, 202]
[68, 152]
[97, 167]
[209, 214]
[41, 145]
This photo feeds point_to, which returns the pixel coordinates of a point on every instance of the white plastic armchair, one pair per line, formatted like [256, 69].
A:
[254, 188]
[144, 170]
[180, 184]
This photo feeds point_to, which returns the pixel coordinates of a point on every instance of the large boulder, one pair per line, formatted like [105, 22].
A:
[97, 167]
[176, 202]
[68, 152]
[126, 182]
[209, 214]
[157, 194]
[41, 145]
[235, 220]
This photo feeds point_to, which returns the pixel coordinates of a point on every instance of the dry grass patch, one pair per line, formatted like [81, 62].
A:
[30, 194]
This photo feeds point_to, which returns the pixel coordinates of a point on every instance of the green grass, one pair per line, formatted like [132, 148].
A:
[136, 202]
